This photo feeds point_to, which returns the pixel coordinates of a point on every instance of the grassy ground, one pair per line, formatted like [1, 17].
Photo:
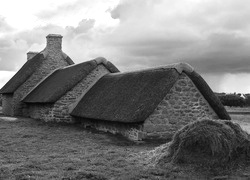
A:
[238, 109]
[31, 149]
[240, 116]
[34, 150]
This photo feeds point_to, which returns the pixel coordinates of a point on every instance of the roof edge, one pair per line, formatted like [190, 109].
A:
[179, 67]
[23, 99]
[209, 95]
[73, 105]
[3, 89]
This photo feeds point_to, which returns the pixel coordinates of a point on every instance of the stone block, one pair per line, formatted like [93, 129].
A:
[182, 83]
[147, 127]
[172, 121]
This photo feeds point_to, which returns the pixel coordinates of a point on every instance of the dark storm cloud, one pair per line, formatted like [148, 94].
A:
[210, 35]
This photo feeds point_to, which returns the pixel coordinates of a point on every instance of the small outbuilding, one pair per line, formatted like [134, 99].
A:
[37, 67]
[150, 103]
[51, 99]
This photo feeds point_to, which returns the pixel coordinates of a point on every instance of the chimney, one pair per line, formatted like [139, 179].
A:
[54, 42]
[31, 54]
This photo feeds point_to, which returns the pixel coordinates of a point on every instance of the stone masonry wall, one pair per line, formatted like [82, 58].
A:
[59, 112]
[132, 131]
[53, 61]
[7, 103]
[183, 104]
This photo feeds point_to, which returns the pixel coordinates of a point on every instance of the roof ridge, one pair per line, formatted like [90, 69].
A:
[179, 67]
[182, 66]
[101, 60]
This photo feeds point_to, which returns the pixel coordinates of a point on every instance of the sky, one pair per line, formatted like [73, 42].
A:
[211, 35]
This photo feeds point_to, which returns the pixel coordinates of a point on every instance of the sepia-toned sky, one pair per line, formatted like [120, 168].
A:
[211, 35]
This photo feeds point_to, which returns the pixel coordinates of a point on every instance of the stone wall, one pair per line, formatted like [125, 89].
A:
[59, 111]
[7, 104]
[183, 104]
[53, 61]
[132, 131]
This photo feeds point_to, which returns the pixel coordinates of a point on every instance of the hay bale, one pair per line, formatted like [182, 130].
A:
[208, 142]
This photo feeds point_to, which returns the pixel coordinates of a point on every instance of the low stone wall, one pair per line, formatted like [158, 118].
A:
[182, 105]
[7, 104]
[130, 130]
[59, 111]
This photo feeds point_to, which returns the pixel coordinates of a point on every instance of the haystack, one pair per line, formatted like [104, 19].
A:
[208, 142]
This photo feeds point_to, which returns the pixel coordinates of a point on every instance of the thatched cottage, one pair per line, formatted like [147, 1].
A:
[151, 103]
[144, 104]
[51, 99]
[37, 67]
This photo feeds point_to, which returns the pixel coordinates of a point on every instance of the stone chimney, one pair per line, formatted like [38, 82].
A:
[31, 54]
[54, 42]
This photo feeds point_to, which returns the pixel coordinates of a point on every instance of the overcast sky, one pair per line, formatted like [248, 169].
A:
[211, 35]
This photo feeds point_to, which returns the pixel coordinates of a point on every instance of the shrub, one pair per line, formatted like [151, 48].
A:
[1, 100]
[232, 100]
[247, 99]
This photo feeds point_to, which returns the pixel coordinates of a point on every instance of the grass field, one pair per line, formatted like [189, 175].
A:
[31, 149]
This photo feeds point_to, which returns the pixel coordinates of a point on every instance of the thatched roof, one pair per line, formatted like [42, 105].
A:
[62, 80]
[26, 71]
[126, 97]
[133, 96]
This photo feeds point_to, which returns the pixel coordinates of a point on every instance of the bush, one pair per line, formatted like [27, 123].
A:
[247, 99]
[208, 142]
[232, 100]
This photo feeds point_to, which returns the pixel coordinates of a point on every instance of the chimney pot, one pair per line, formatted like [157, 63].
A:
[54, 42]
[31, 54]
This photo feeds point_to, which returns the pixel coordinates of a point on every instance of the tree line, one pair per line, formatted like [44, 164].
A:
[235, 99]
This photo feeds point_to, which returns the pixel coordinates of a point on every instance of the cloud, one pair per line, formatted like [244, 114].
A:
[212, 36]
[83, 27]
[72, 11]
[59, 10]
[14, 46]
[4, 26]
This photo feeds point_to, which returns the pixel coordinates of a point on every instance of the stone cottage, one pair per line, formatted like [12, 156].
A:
[151, 103]
[37, 67]
[51, 99]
